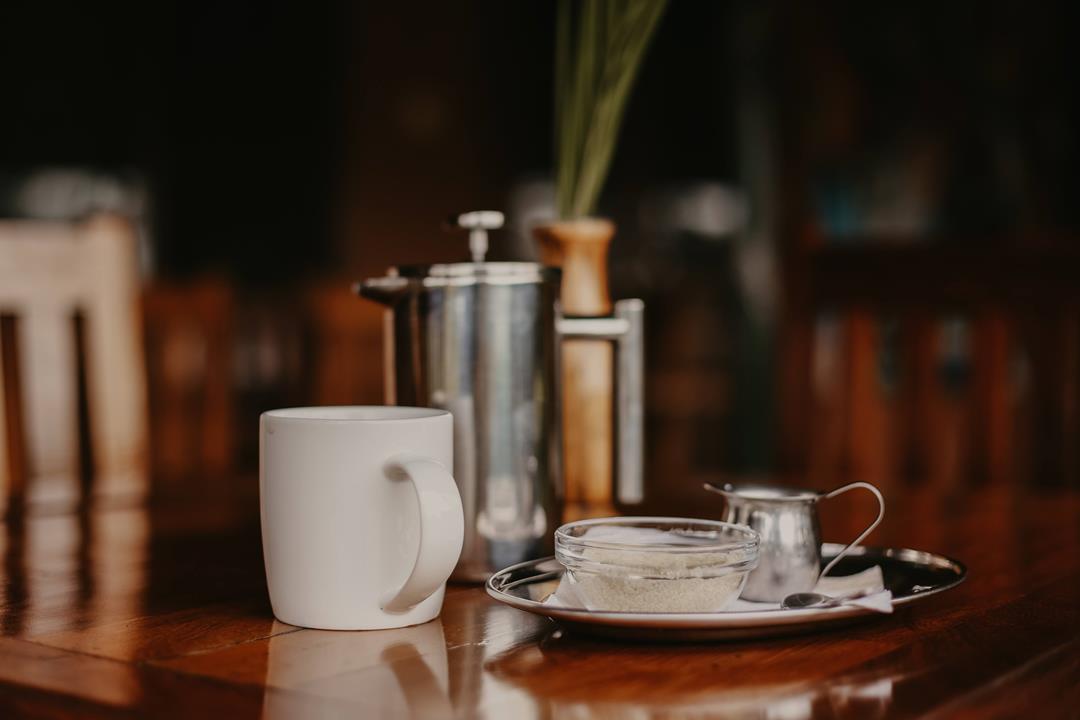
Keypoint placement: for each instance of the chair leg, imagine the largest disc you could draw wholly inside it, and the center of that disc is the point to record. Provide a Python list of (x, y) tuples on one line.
[(85, 467), (15, 431)]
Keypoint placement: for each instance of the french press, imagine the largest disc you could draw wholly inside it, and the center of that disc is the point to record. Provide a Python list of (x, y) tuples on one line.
[(480, 339)]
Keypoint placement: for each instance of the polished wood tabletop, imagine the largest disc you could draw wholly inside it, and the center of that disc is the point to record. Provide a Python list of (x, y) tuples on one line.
[(158, 608)]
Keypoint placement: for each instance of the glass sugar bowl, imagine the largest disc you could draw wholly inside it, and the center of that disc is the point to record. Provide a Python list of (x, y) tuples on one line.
[(656, 564)]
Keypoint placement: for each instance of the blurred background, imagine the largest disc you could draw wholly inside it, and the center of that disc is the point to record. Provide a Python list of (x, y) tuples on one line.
[(855, 226)]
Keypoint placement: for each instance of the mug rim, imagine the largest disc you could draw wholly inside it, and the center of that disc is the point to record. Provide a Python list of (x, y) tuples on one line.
[(354, 413)]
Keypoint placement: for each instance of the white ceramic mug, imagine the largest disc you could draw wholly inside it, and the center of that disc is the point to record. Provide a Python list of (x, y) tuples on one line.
[(361, 520)]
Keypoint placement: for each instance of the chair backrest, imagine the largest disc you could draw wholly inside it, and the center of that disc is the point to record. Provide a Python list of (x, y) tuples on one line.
[(953, 369), (347, 362), (218, 356), (188, 330), (74, 388)]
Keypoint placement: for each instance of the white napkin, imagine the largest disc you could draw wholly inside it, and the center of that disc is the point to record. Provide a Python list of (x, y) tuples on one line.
[(871, 579)]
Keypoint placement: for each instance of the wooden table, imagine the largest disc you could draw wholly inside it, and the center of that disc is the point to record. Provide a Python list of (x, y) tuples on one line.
[(160, 610)]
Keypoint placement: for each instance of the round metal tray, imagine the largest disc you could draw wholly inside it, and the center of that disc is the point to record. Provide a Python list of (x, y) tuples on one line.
[(910, 574)]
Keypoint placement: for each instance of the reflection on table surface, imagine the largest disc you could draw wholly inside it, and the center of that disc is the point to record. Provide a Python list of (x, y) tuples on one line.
[(163, 608)]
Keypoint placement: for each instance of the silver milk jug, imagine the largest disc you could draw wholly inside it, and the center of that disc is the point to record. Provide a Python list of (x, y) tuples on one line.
[(481, 340), (786, 518)]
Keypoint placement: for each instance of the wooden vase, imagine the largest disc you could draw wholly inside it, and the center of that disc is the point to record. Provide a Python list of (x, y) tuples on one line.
[(580, 248)]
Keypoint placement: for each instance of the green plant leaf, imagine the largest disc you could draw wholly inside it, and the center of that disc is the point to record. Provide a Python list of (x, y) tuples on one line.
[(598, 53)]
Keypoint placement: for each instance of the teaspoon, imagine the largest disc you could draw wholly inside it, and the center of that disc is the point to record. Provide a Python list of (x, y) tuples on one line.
[(803, 601)]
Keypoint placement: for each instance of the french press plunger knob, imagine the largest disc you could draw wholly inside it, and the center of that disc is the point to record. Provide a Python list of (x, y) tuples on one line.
[(478, 222)]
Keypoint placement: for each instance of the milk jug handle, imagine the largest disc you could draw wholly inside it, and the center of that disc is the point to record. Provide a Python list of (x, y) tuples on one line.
[(862, 536), (626, 328)]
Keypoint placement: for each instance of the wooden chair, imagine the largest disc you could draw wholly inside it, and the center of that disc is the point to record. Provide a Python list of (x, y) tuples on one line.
[(189, 330), (929, 365), (347, 357), (73, 412), (218, 356)]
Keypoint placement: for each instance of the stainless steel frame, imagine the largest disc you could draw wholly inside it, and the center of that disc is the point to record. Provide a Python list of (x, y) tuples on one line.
[(627, 330)]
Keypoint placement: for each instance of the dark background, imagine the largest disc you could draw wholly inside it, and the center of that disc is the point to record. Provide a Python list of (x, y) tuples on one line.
[(272, 134), (277, 136), (284, 142)]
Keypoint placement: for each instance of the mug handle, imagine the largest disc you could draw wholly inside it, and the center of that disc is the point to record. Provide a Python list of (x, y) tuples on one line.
[(862, 536), (442, 528)]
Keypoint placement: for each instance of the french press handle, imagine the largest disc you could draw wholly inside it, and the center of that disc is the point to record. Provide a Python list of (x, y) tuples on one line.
[(626, 329)]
